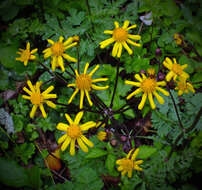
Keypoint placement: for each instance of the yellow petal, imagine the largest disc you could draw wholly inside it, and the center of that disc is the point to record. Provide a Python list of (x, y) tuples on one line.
[(65, 143), (129, 154), (135, 154), (151, 101), (42, 110), (169, 76), (62, 138), (162, 91), (82, 145), (137, 91), (130, 173), (134, 37), (61, 64), (71, 45), (116, 24), (137, 76), (53, 63), (88, 98), (61, 38), (88, 125), (99, 80), (161, 83), (28, 46), (81, 99), (86, 141), (72, 147), (119, 50), (34, 51), (47, 54), (68, 41), (48, 96), (125, 24), (69, 58), (94, 70), (49, 89), (50, 41), (105, 43), (108, 32), (26, 97), (159, 98), (62, 126), (30, 86), (131, 27), (73, 95), (33, 111), (138, 84), (99, 87), (28, 91), (133, 43), (115, 49), (86, 68), (141, 104), (69, 119), (78, 117)]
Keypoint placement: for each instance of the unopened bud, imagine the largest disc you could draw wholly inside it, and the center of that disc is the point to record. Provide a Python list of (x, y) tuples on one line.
[(113, 142), (158, 52)]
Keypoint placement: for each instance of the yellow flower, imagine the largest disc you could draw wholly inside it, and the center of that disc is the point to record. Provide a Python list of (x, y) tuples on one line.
[(184, 87), (120, 36), (128, 164), (74, 132), (101, 135), (84, 83), (37, 98), (178, 38), (149, 87), (176, 70), (151, 72), (57, 52), (26, 54)]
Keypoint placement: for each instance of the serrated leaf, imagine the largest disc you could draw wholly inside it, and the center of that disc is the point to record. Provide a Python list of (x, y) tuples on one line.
[(96, 153), (145, 151)]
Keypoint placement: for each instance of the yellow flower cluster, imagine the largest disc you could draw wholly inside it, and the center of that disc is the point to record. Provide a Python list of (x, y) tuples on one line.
[(129, 163)]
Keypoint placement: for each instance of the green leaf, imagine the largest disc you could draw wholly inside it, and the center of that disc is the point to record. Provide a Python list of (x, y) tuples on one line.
[(110, 163), (145, 151), (96, 153), (8, 55), (12, 174), (34, 177), (25, 151)]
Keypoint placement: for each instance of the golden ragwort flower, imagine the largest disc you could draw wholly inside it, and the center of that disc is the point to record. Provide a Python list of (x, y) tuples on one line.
[(149, 86), (178, 38), (74, 132), (176, 70), (26, 54), (37, 98), (128, 164), (184, 87), (120, 36), (101, 135), (57, 52), (84, 83)]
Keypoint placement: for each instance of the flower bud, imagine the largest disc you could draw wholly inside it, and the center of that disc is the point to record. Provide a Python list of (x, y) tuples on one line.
[(158, 52)]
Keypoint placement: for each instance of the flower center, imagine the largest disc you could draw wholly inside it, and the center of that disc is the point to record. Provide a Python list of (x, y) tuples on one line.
[(25, 55), (182, 86), (36, 98), (84, 82), (177, 69), (148, 85), (74, 131), (57, 48), (120, 34), (127, 164)]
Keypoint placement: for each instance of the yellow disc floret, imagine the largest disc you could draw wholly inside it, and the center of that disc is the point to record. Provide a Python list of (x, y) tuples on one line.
[(84, 82), (120, 34), (58, 49), (36, 98), (74, 131), (148, 85)]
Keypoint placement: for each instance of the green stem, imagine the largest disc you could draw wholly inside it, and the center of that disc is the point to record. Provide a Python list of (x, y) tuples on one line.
[(177, 113), (115, 86), (90, 15)]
